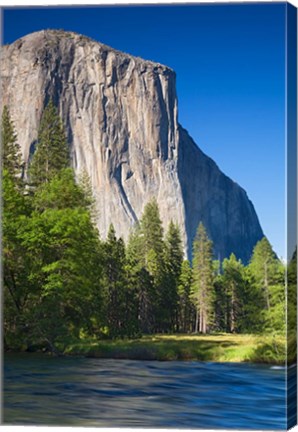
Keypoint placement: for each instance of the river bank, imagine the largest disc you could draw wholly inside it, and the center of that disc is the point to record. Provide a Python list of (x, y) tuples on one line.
[(220, 348), (212, 348)]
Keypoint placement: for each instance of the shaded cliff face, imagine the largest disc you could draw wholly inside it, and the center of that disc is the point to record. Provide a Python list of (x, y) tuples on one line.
[(213, 198), (120, 114)]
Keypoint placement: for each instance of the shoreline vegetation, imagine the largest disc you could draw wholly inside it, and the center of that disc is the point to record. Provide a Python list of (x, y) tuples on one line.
[(69, 292), (221, 347)]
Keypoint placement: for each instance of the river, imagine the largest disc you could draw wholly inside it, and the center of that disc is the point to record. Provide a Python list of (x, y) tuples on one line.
[(70, 391)]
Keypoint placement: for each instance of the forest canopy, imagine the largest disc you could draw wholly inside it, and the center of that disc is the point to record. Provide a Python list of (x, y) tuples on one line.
[(63, 282)]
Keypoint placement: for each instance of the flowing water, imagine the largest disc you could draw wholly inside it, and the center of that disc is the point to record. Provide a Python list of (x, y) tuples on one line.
[(45, 390)]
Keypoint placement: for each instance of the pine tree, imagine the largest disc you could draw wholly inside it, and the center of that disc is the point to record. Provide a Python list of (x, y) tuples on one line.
[(151, 229), (233, 283), (186, 310), (115, 284), (10, 149), (252, 314), (174, 250), (140, 281), (86, 186), (151, 233), (202, 286), (219, 304), (61, 192), (262, 266), (173, 262), (51, 154), (269, 279)]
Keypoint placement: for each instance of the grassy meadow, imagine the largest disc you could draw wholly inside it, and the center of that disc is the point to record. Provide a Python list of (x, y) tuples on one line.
[(214, 348)]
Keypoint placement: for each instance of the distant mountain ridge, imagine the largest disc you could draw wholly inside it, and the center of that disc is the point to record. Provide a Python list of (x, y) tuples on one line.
[(121, 119)]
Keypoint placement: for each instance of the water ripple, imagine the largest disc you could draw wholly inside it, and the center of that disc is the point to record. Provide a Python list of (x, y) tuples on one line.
[(110, 393)]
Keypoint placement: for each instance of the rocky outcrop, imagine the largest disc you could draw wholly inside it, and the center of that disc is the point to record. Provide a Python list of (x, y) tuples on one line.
[(120, 114), (213, 198)]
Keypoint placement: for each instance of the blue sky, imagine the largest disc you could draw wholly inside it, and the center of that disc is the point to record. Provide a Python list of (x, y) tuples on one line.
[(230, 65)]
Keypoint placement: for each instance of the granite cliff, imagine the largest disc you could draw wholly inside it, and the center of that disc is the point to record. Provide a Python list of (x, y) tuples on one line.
[(121, 118)]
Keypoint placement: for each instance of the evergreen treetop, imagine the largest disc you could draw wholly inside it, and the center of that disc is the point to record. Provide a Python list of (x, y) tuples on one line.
[(151, 229), (51, 153), (10, 148)]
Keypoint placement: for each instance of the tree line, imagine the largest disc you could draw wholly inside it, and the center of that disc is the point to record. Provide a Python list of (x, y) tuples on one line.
[(62, 281)]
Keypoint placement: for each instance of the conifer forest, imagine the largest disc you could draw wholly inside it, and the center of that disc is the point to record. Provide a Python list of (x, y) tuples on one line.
[(63, 282)]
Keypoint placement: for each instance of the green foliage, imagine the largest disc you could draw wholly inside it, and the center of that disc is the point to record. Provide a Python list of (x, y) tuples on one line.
[(61, 192), (116, 294), (186, 309), (202, 286), (86, 187), (268, 278), (292, 309), (270, 349), (11, 154), (174, 251), (65, 266), (151, 230), (154, 267), (63, 285), (173, 257), (252, 314), (233, 282), (51, 154), (152, 250), (263, 268), (16, 282), (217, 348), (140, 282), (52, 252)]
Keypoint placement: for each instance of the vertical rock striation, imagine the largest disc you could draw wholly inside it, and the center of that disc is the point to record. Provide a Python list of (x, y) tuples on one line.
[(120, 114)]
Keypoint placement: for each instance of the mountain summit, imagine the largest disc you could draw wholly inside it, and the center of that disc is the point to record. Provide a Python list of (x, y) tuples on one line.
[(121, 119)]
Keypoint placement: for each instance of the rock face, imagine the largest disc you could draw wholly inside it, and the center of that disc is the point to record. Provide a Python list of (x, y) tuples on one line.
[(120, 114)]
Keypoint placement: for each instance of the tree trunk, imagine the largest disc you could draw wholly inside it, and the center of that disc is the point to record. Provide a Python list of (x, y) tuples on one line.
[(197, 320), (233, 317), (203, 322)]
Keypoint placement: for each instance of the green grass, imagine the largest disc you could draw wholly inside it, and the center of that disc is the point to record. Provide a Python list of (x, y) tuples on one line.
[(217, 348)]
